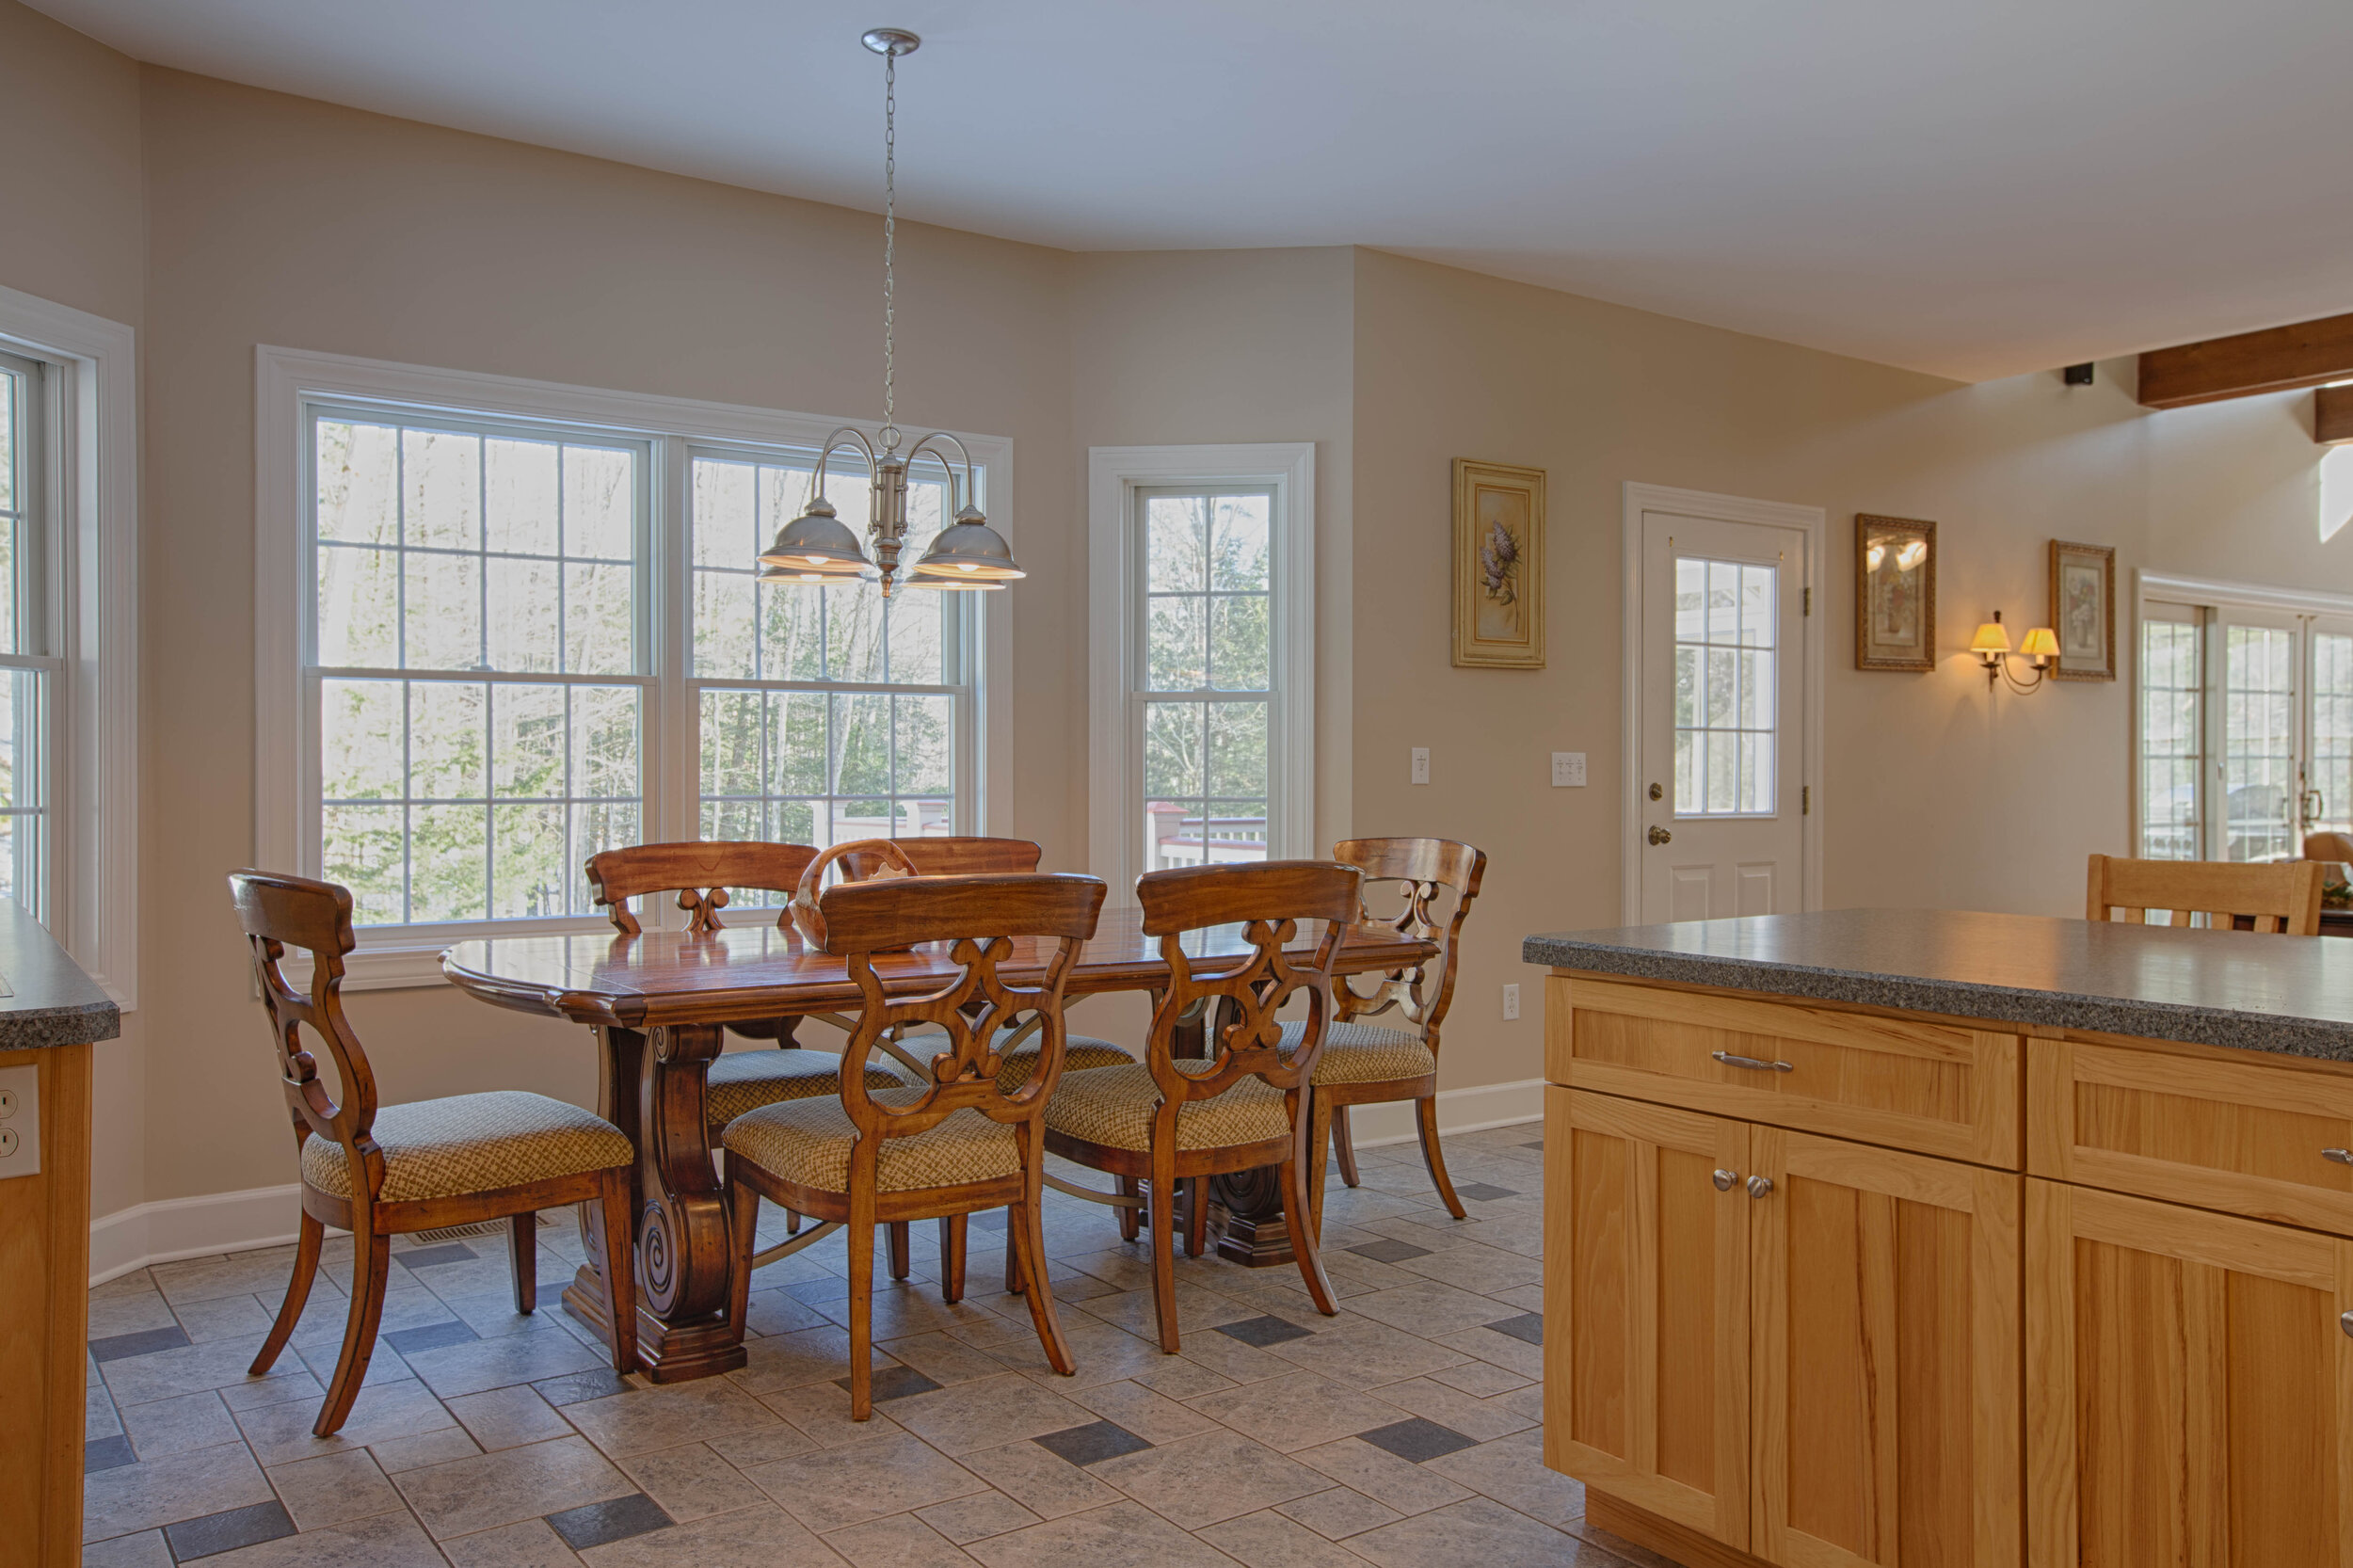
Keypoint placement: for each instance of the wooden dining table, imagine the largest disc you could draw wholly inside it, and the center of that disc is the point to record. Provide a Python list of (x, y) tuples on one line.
[(659, 1004)]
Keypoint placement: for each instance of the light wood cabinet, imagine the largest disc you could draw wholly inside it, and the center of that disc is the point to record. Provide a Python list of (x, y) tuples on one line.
[(1802, 1348), (2190, 1387)]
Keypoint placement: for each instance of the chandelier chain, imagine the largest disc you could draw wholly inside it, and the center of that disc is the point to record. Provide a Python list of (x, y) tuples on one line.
[(890, 226)]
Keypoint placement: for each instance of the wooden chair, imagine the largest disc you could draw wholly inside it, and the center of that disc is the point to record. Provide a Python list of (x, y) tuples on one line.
[(384, 1172), (1168, 1120), (2280, 895), (954, 1144), (1366, 1063)]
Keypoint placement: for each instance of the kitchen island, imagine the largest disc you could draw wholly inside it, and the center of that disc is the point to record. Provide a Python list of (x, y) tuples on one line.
[(1909, 1237)]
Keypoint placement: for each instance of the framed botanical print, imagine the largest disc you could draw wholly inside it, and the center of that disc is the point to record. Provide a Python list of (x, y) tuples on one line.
[(2082, 609), (1895, 574), (1499, 566)]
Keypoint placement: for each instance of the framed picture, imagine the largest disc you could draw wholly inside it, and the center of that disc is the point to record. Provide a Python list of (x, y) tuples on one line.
[(1894, 575), (2082, 609), (1499, 566)]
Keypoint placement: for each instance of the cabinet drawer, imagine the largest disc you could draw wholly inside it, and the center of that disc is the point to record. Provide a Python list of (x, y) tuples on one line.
[(1932, 1088), (2262, 1138)]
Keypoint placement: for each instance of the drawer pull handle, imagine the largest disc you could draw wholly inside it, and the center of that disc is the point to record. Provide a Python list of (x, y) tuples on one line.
[(1760, 1186), (2343, 1157), (1751, 1063), (2345, 1322), (1725, 1179)]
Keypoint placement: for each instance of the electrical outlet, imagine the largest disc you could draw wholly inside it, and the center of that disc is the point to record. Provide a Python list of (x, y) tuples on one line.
[(7, 1103), (1511, 1001), (20, 1128), (1568, 770), (1421, 764)]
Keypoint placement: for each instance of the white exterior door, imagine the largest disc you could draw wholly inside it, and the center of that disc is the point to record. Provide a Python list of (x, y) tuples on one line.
[(1722, 718)]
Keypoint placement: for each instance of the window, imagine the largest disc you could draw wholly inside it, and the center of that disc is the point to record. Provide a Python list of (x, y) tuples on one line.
[(1725, 683), (2246, 721), (531, 629), (27, 668), (1203, 669)]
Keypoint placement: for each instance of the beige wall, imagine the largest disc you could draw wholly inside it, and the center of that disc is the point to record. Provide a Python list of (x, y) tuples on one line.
[(1934, 792)]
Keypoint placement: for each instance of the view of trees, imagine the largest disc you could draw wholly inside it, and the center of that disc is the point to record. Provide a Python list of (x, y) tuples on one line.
[(24, 816), (1207, 619), (1725, 686)]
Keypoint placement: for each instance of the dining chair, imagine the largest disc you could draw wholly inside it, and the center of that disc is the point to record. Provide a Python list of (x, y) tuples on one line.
[(953, 1146), (380, 1170), (1168, 1119), (2277, 896), (1367, 1064)]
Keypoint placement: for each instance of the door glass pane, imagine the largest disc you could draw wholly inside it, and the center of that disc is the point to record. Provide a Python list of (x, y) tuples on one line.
[(1726, 660), (2172, 749), (2331, 776), (2258, 743)]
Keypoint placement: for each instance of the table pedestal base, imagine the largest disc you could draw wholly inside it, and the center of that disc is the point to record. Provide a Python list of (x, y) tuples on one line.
[(1246, 1212)]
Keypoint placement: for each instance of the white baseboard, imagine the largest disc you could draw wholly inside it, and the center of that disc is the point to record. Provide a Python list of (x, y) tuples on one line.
[(175, 1228)]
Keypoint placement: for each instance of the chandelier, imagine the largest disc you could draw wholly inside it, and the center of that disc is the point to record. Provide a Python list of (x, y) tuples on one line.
[(817, 546)]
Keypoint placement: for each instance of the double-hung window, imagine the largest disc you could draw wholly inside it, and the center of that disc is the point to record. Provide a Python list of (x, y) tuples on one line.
[(531, 629), (29, 669)]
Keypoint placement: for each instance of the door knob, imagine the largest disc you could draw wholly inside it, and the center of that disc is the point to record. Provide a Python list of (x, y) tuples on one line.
[(1657, 792), (1760, 1186), (1725, 1179), (1660, 836)]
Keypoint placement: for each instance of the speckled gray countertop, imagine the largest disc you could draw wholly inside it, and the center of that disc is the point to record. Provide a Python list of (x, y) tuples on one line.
[(53, 1002), (2235, 988)]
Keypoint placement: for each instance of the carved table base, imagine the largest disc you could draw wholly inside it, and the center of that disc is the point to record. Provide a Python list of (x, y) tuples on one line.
[(1246, 1212)]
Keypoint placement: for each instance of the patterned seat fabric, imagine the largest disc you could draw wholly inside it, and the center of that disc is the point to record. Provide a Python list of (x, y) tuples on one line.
[(1081, 1053), (446, 1148), (1113, 1106), (1360, 1053), (807, 1142), (743, 1081)]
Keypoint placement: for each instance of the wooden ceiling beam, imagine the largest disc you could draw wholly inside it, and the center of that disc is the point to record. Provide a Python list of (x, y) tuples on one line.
[(2278, 359), (2332, 415)]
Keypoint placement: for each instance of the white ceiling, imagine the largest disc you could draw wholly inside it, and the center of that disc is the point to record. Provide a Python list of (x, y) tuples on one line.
[(1974, 189)]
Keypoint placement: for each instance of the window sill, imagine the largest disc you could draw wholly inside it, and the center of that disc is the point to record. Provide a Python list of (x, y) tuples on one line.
[(408, 958)]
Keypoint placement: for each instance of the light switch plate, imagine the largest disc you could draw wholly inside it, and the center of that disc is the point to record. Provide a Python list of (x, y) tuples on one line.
[(1568, 770), (20, 1122), (1421, 764)]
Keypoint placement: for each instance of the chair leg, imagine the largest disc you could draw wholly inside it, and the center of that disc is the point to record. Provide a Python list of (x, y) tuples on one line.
[(1197, 1215), (620, 1270), (1164, 1243), (306, 1269), (952, 1239), (1426, 1119), (901, 1258), (1128, 1218), (860, 1235), (1302, 1233), (792, 1223), (1025, 1238), (372, 1256), (1318, 1152), (1013, 1258), (1344, 1144), (522, 1255)]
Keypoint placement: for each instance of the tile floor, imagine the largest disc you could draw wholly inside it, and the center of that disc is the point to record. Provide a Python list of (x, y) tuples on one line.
[(1402, 1432)]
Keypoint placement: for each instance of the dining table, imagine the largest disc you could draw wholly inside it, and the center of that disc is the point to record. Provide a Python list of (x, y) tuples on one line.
[(658, 1004)]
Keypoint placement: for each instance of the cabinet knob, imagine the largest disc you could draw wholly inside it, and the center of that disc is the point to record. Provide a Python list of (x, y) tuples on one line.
[(2343, 1157), (1760, 1186), (1725, 1179)]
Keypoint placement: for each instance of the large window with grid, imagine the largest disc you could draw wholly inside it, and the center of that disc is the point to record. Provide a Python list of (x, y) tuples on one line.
[(29, 670), (526, 639)]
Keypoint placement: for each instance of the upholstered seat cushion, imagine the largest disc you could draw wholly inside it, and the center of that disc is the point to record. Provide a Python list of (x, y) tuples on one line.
[(1113, 1106), (1081, 1053), (1361, 1053), (446, 1148), (743, 1081), (807, 1142)]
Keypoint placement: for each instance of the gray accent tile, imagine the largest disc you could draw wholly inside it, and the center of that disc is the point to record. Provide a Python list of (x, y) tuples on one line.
[(215, 1533), (108, 1453), (1389, 1250), (143, 1342), (1484, 1191), (893, 1382), (1418, 1439), (1263, 1332), (429, 1258), (428, 1336), (615, 1519), (1090, 1444), (1527, 1326)]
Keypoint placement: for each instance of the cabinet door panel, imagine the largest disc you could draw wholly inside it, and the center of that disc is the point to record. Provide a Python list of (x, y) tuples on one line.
[(2189, 1399), (1885, 1290), (1646, 1332)]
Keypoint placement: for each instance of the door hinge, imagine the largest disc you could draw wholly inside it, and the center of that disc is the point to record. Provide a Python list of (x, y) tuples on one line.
[(1805, 598), (1805, 800)]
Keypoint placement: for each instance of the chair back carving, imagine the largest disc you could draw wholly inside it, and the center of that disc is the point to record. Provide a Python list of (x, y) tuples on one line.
[(972, 856), (278, 912), (2280, 896), (985, 921), (1421, 868), (700, 872), (1244, 992)]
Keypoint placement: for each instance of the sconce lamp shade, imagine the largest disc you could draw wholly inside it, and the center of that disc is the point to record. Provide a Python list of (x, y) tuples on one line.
[(2041, 643), (816, 543), (1992, 637)]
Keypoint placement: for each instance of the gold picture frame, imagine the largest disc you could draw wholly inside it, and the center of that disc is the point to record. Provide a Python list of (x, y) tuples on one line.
[(2082, 609), (1894, 601), (1499, 566)]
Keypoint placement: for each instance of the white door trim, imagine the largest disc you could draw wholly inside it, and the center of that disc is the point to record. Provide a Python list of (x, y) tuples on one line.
[(1813, 524)]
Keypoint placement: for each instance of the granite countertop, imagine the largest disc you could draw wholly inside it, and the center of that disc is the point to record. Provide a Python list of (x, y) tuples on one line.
[(2235, 988), (51, 1002)]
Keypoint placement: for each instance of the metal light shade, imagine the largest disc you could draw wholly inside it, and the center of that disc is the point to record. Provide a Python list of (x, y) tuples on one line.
[(968, 554), (816, 543)]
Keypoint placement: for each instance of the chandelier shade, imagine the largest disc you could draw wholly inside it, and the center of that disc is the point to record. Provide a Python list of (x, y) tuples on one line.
[(816, 544)]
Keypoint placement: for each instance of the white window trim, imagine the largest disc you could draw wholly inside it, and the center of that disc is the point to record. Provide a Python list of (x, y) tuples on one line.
[(1115, 473), (95, 909), (283, 377)]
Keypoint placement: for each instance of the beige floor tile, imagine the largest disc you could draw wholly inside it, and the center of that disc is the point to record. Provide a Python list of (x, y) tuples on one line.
[(1428, 1308), (1045, 1483), (1477, 1267), (649, 1418), (333, 1490), (128, 1312), (835, 1488), (1512, 1470), (820, 1411), (692, 1481), (247, 1274), (762, 1537), (1123, 1535), (1479, 1532), (1268, 1540), (190, 1369), (1501, 1350), (509, 1418), (1407, 1487), (1481, 1420), (281, 1432), (1208, 1477), (469, 1495), (793, 1360), (984, 1513), (1340, 1512), (781, 1441), (395, 1455), (1098, 1352), (165, 1490), (528, 1545), (384, 1541), (146, 1549), (902, 1541), (453, 1372), (176, 1426), (1155, 1418), (1366, 1356), (943, 1358), (227, 1317), (1297, 1412), (1180, 1377), (1481, 1380), (986, 1413)]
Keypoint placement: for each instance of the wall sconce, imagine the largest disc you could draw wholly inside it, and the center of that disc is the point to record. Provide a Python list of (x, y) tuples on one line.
[(1992, 647)]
